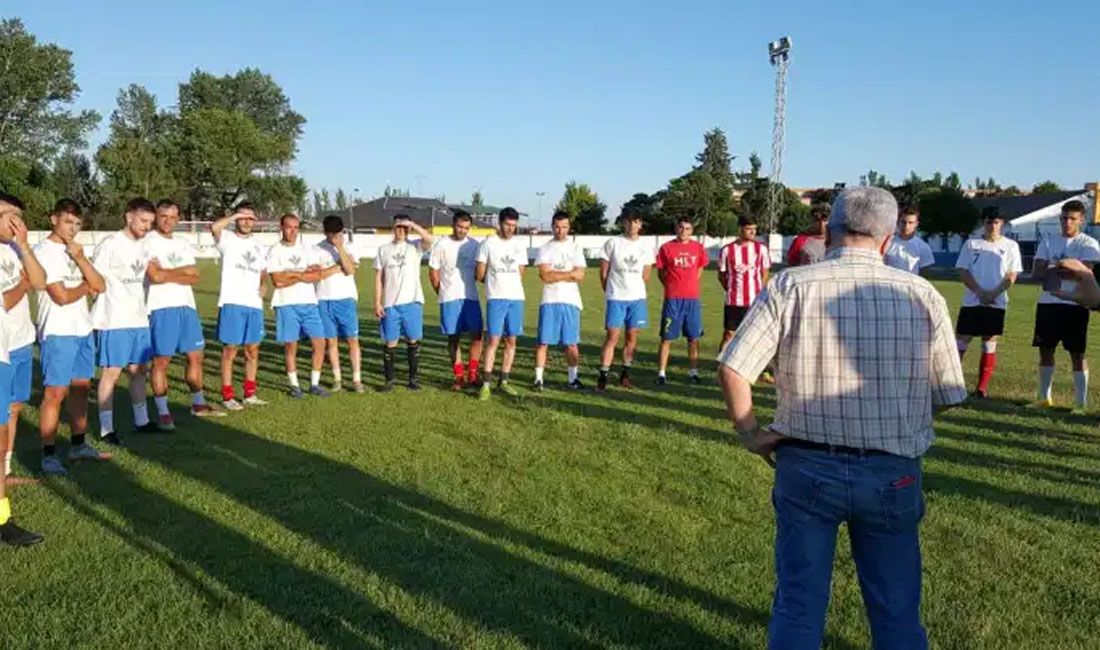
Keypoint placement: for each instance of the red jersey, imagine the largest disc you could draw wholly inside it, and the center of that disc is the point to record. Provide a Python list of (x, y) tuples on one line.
[(681, 262), (743, 264), (806, 249)]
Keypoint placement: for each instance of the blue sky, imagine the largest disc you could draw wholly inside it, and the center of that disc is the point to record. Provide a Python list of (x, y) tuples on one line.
[(517, 98)]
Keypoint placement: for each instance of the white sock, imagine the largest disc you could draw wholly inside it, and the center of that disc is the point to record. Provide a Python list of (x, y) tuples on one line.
[(1081, 387), (574, 373), (106, 422), (357, 376), (141, 413), (1046, 381), (197, 399), (7, 463), (538, 374), (292, 377), (337, 377), (314, 377), (162, 404), (660, 373), (694, 372)]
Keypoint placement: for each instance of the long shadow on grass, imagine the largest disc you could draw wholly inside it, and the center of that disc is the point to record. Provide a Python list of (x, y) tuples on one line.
[(426, 547)]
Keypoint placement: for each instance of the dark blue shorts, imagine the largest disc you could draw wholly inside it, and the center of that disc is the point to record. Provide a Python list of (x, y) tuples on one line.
[(681, 315)]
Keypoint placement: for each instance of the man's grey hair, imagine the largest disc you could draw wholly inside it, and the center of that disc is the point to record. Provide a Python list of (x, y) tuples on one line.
[(868, 211)]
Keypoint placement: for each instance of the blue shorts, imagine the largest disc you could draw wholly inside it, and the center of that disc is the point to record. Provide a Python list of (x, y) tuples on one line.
[(5, 392), (505, 317), (681, 314), (66, 359), (295, 322), (175, 330), (460, 316), (405, 320), (22, 366), (240, 325), (559, 324), (631, 313), (339, 318), (122, 347)]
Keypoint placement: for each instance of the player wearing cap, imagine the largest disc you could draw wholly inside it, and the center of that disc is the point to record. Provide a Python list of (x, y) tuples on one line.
[(680, 265), (501, 259), (743, 273), (907, 251), (240, 301), (1058, 320), (561, 266), (452, 271), (399, 298), (809, 247), (625, 265), (987, 267), (338, 301)]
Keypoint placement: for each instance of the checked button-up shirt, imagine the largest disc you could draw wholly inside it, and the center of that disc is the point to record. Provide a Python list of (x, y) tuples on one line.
[(864, 353)]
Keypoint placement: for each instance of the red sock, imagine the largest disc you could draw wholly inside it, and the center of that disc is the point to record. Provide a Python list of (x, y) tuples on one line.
[(227, 392), (473, 369), (249, 388), (985, 370), (459, 370)]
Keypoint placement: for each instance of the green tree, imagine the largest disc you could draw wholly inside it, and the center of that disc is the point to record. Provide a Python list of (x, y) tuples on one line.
[(1011, 190), (649, 206), (1046, 187), (318, 204), (873, 179), (584, 207), (715, 158), (30, 182), (341, 201), (74, 178), (953, 181), (947, 211), (476, 199)]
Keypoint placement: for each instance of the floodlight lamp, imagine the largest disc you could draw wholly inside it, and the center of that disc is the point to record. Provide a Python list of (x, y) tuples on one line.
[(780, 49)]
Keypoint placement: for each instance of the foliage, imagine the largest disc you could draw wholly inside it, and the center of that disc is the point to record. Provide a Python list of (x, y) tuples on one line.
[(947, 211), (584, 207), (650, 206), (476, 200), (32, 184), (1046, 187)]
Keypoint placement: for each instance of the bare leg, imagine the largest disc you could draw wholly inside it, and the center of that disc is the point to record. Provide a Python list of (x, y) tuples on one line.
[(317, 354), (49, 413), (693, 353), (356, 355), (251, 361), (607, 354), (727, 336), (476, 345), (290, 356), (629, 347), (194, 372), (490, 355), (454, 348), (509, 354), (332, 346), (159, 375), (229, 355), (663, 351)]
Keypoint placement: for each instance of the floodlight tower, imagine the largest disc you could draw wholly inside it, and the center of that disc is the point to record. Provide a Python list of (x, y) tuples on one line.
[(779, 54)]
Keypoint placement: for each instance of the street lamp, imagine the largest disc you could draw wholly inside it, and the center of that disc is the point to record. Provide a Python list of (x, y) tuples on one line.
[(540, 195), (351, 214)]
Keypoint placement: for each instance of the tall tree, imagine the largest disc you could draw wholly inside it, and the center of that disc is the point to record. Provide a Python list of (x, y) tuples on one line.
[(715, 158), (953, 181), (654, 220), (873, 179), (584, 206), (74, 178), (318, 204), (341, 199), (947, 211), (1046, 187), (476, 199)]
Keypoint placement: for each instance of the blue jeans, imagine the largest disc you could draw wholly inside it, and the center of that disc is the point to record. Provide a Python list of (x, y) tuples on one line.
[(880, 499)]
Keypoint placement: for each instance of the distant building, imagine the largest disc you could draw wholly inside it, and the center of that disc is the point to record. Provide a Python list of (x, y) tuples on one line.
[(1033, 216), (376, 216)]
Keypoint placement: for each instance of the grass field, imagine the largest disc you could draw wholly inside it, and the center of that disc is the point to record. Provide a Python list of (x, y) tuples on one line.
[(558, 519)]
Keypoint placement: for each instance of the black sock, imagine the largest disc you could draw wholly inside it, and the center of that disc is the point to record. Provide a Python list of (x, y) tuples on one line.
[(503, 377), (77, 439), (50, 450), (388, 355), (603, 374), (413, 352), (625, 371)]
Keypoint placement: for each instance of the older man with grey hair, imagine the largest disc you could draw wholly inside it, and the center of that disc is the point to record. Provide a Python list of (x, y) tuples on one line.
[(865, 354)]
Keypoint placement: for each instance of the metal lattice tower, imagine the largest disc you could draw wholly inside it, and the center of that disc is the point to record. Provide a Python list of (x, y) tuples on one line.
[(779, 54)]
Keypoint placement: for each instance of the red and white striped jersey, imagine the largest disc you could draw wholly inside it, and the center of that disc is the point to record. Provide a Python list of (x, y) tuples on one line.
[(743, 264)]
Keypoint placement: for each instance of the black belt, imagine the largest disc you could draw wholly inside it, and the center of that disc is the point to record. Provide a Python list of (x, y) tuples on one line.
[(832, 449)]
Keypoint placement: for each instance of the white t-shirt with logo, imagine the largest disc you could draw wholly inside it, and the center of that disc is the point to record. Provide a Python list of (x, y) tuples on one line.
[(989, 262), (122, 262), (910, 255), (626, 258), (561, 256), (294, 257), (503, 259), (18, 325), (73, 319), (170, 253), (243, 261), (1079, 247), (456, 262), (337, 286), (400, 261)]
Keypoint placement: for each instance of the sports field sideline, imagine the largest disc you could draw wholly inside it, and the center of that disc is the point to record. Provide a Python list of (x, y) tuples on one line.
[(558, 519)]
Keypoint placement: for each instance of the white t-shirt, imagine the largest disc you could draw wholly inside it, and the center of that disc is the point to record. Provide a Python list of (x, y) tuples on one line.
[(503, 259), (122, 262), (170, 253), (1079, 247), (243, 261), (456, 262), (20, 329), (295, 257), (989, 262), (73, 319), (626, 260), (400, 261), (337, 286), (910, 255), (561, 256)]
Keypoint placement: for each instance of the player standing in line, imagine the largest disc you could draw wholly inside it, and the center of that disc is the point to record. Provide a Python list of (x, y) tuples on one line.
[(66, 348), (743, 273), (501, 259), (680, 265), (452, 270), (338, 302), (399, 298), (294, 271), (173, 319), (625, 265), (907, 251), (987, 267), (12, 278), (240, 301), (809, 247), (1058, 320), (561, 265), (120, 319), (20, 272)]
